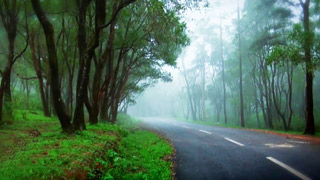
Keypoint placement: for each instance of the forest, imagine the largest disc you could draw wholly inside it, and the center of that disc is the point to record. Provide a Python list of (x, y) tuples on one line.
[(71, 58), (73, 64), (255, 66), (73, 72)]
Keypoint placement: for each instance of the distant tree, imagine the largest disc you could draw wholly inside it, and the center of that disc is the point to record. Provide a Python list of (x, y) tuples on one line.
[(240, 70), (9, 13)]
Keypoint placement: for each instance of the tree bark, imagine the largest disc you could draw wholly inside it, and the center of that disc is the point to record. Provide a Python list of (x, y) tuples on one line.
[(53, 67), (37, 68), (5, 94), (78, 118), (9, 16), (276, 104), (310, 127), (256, 104)]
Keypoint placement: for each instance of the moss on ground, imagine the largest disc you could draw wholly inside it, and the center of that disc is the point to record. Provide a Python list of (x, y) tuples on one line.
[(33, 147)]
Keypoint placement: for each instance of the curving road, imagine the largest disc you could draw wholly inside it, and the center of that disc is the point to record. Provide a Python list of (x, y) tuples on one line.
[(207, 152)]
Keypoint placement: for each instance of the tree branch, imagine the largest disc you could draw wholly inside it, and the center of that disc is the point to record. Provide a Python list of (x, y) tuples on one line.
[(27, 39), (121, 6), (26, 78)]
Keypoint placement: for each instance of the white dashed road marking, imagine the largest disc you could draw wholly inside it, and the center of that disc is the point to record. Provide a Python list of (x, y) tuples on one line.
[(233, 141), (186, 127), (205, 131), (290, 169)]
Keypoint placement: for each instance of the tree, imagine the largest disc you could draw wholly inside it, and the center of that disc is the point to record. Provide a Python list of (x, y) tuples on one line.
[(9, 11), (38, 69), (240, 70), (48, 30), (310, 128)]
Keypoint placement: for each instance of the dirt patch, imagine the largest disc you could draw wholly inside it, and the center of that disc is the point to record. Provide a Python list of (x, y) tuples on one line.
[(290, 136)]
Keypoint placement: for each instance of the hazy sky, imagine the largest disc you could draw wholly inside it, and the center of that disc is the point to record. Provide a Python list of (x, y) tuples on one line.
[(162, 92), (195, 17)]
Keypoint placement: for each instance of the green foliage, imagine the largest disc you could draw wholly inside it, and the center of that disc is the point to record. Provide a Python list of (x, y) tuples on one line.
[(281, 54), (104, 151), (53, 154), (297, 125), (142, 156), (127, 122)]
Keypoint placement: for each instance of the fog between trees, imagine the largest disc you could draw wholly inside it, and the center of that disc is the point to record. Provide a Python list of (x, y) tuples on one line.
[(272, 45)]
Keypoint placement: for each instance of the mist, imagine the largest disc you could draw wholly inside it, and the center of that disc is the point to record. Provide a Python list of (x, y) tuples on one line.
[(205, 79)]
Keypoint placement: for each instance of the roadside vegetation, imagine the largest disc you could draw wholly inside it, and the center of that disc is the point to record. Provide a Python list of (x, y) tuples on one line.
[(33, 147), (294, 131)]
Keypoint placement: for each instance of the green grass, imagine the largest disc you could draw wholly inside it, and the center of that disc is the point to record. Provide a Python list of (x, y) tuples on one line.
[(211, 123), (143, 156), (103, 151)]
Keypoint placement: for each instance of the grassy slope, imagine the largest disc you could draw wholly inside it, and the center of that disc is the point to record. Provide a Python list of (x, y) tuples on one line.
[(238, 127), (103, 151)]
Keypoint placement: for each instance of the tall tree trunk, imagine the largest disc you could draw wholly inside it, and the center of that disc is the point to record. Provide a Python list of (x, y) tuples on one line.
[(93, 118), (117, 96), (104, 109), (78, 118), (290, 76), (9, 17), (223, 77), (224, 95), (258, 84), (96, 89), (192, 105), (5, 95), (37, 68), (256, 105), (240, 70), (203, 90), (70, 94), (87, 55), (268, 115), (268, 95), (53, 66), (310, 127), (276, 104)]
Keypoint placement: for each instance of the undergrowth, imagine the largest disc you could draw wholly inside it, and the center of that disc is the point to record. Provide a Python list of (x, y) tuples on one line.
[(33, 147)]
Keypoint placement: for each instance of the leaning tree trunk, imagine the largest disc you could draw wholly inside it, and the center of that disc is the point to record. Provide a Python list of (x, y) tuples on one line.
[(53, 67)]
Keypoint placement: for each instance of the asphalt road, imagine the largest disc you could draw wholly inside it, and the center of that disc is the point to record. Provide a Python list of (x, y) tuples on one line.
[(206, 152)]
